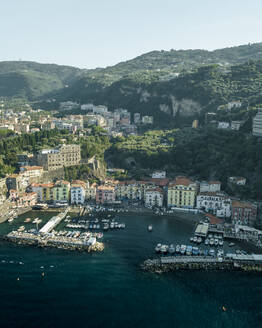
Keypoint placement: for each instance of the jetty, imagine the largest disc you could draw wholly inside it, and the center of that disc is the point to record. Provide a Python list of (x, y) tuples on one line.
[(54, 221), (231, 262)]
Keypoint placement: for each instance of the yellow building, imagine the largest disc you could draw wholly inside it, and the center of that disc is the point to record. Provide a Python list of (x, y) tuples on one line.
[(46, 192), (91, 191), (182, 193)]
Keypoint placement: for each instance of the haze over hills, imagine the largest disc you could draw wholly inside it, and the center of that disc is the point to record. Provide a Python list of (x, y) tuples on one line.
[(163, 83)]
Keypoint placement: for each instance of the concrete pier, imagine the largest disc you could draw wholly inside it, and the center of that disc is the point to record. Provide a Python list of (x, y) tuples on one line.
[(54, 221)]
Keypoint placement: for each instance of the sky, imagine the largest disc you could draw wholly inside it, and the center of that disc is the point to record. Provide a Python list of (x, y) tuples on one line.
[(99, 33)]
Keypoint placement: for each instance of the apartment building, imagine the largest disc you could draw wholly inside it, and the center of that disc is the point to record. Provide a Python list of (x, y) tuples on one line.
[(63, 155), (105, 194), (154, 197), (216, 202), (182, 193)]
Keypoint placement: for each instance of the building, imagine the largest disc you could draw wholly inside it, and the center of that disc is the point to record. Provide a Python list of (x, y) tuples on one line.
[(60, 192), (195, 124), (154, 197), (31, 171), (17, 182), (147, 119), (239, 181), (137, 118), (182, 193), (78, 192), (257, 124), (128, 190), (234, 104), (63, 155), (91, 191), (21, 199), (217, 203), (210, 186), (43, 191), (223, 125), (236, 125), (243, 213), (159, 175), (105, 195)]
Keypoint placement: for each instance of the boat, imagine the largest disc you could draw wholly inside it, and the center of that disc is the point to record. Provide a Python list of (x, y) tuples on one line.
[(150, 228), (106, 226), (177, 248), (195, 251), (212, 252), (158, 248), (207, 242), (199, 240), (164, 249), (21, 228), (211, 242), (231, 244), (171, 249), (195, 239), (183, 249), (192, 239), (10, 220), (189, 250), (216, 242), (27, 220), (220, 242)]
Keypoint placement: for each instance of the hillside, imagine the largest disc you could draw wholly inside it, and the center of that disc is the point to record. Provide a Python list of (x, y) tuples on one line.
[(32, 80)]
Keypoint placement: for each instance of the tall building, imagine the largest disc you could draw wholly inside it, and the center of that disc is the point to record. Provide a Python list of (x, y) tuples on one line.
[(257, 124), (182, 193), (63, 155)]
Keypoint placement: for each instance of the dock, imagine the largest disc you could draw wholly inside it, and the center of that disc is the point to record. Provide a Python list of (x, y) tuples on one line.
[(54, 221), (232, 262)]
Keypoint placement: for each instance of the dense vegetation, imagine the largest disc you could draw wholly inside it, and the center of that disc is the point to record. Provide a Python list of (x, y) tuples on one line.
[(202, 154)]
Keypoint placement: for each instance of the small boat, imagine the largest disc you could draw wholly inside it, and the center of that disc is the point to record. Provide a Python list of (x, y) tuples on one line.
[(231, 244), (10, 220), (27, 220), (183, 249), (177, 248), (195, 251), (211, 242), (207, 242), (192, 239), (216, 242), (171, 249), (195, 239), (212, 252), (150, 228), (220, 242), (199, 240), (189, 250), (158, 248), (164, 249)]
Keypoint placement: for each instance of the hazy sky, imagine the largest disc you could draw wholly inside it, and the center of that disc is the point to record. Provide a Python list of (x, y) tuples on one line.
[(99, 33)]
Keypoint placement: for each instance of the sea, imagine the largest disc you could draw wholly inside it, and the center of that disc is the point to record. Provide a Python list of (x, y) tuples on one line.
[(49, 287)]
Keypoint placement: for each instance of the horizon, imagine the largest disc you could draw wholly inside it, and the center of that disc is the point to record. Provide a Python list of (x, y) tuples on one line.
[(101, 34)]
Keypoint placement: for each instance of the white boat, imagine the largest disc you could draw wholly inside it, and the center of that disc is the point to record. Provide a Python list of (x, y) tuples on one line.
[(216, 242), (192, 239), (211, 242), (171, 249), (177, 248), (183, 249), (195, 239), (158, 248), (150, 228), (220, 242), (207, 242), (10, 220), (231, 244), (164, 249), (199, 240)]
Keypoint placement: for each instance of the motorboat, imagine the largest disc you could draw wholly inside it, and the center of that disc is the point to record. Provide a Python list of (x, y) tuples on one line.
[(150, 228), (171, 249), (177, 248), (189, 250), (207, 242), (195, 251), (192, 239), (220, 242), (216, 242), (195, 239), (212, 252), (211, 242), (183, 249), (158, 248), (164, 249), (10, 220), (199, 240), (231, 244)]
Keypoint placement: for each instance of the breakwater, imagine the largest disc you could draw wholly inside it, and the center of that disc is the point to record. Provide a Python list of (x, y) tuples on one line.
[(252, 263), (69, 243)]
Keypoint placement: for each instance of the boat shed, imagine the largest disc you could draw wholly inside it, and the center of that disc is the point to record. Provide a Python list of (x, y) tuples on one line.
[(201, 230)]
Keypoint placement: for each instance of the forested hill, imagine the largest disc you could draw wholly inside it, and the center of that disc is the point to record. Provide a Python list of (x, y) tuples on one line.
[(33, 80)]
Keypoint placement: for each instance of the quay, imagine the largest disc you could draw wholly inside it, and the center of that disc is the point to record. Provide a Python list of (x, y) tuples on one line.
[(54, 221), (49, 240), (232, 262)]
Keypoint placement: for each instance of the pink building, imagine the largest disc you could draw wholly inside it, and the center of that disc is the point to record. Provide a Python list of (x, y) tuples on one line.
[(19, 199), (243, 213), (105, 195)]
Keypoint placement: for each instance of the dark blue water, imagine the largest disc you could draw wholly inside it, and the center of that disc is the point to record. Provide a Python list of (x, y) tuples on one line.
[(109, 290)]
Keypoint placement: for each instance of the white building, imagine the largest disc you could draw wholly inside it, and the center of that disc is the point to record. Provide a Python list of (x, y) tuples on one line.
[(217, 202), (234, 104), (147, 119), (210, 186), (239, 181), (78, 192), (236, 125), (257, 124), (31, 171), (159, 175), (223, 125), (154, 197)]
